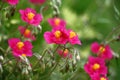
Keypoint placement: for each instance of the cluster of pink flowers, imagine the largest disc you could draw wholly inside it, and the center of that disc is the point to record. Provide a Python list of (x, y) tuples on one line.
[(12, 2), (59, 33), (30, 16), (15, 2), (96, 66), (24, 48), (37, 1)]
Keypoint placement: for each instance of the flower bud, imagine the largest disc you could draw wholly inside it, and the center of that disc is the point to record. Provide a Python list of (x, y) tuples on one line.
[(39, 28), (24, 71), (1, 58), (78, 57)]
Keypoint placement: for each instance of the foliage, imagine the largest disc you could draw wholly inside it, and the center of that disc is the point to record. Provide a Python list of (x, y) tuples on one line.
[(92, 20)]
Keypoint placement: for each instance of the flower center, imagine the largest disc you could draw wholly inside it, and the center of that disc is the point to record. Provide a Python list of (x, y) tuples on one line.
[(57, 22), (24, 55), (96, 66), (72, 34), (57, 34), (20, 45), (66, 51), (30, 15), (102, 49), (27, 32), (102, 78)]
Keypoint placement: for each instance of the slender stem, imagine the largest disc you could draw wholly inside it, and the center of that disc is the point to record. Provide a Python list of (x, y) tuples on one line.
[(47, 62), (56, 49), (53, 68), (64, 64), (57, 62), (44, 52), (7, 61), (7, 51), (2, 5), (7, 77), (111, 33), (63, 50), (1, 49)]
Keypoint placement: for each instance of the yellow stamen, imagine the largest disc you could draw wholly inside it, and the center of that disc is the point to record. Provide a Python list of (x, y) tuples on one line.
[(57, 22), (102, 78), (30, 15), (101, 49), (72, 34), (96, 66), (24, 55), (57, 34), (27, 32), (20, 45)]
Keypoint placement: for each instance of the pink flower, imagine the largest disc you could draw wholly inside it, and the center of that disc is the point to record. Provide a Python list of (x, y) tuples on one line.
[(95, 65), (30, 16), (58, 36), (56, 22), (73, 38), (64, 53), (20, 48), (98, 77), (37, 1), (12, 2), (26, 33), (103, 51)]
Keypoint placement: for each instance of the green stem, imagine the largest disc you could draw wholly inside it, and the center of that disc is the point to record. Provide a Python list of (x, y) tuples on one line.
[(57, 61), (55, 51), (2, 6), (7, 61), (6, 51), (2, 50), (44, 52), (53, 68), (7, 77), (112, 40), (111, 33), (64, 64)]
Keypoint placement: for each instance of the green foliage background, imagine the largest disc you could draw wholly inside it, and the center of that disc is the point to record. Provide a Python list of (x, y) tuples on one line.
[(93, 20)]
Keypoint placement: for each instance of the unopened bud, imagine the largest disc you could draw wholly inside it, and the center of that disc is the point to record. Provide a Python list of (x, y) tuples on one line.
[(10, 62), (1, 58), (59, 2), (78, 57), (118, 38), (29, 68), (74, 61), (24, 71), (39, 28)]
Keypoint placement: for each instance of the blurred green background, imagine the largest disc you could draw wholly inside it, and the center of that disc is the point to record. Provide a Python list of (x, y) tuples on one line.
[(93, 20)]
